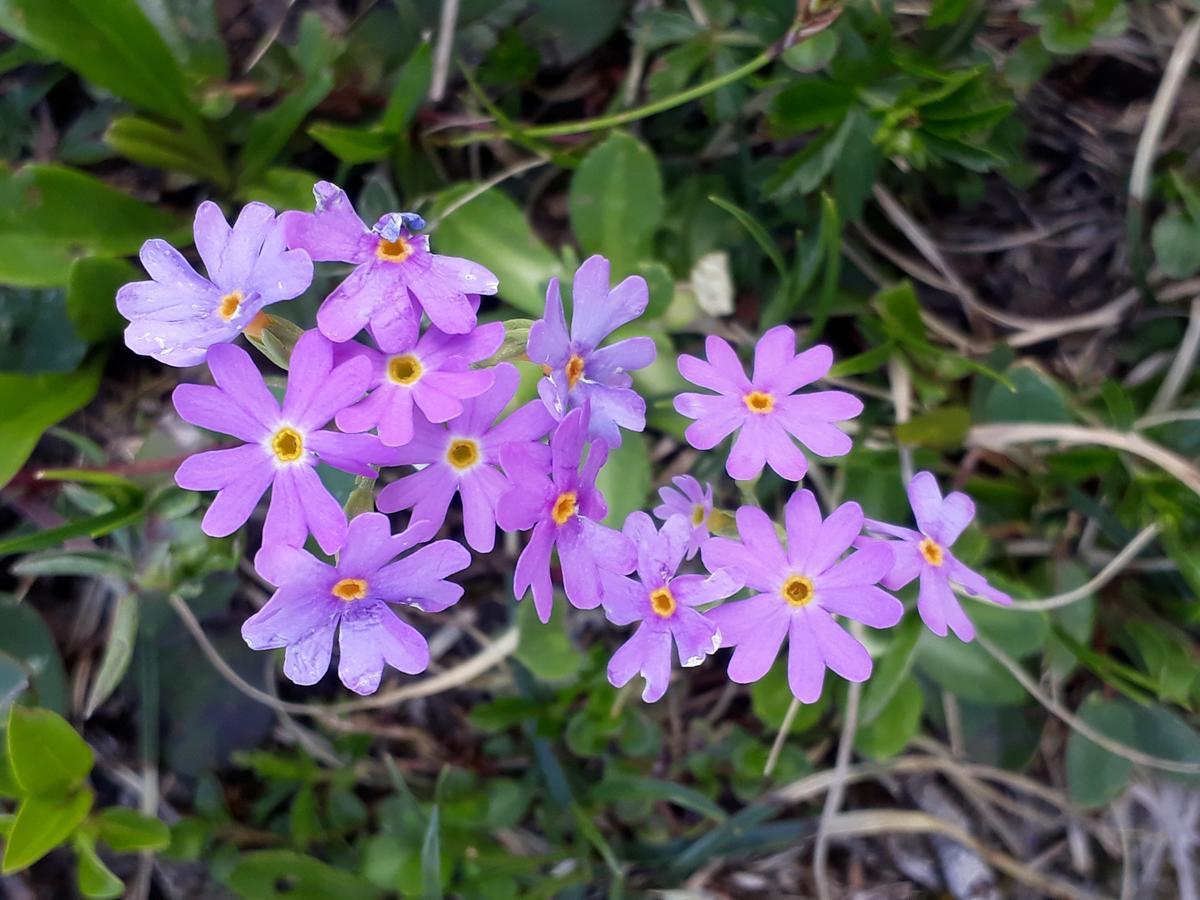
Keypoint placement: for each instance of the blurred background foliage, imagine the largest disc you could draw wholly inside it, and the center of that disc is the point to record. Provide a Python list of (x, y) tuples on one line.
[(991, 208)]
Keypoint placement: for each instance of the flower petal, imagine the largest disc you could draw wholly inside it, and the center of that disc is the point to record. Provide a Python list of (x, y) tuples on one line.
[(840, 650)]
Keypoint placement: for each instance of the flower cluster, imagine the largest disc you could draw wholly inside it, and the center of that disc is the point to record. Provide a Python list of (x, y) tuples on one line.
[(400, 372)]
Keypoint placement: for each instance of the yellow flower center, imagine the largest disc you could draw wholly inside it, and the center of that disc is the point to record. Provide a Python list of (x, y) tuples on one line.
[(574, 371), (932, 551), (698, 514), (394, 251), (350, 589), (564, 507), (797, 590), (759, 403), (662, 601), (287, 445), (463, 453), (229, 305), (406, 369)]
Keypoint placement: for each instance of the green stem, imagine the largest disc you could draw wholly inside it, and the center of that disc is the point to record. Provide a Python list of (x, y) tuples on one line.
[(642, 112)]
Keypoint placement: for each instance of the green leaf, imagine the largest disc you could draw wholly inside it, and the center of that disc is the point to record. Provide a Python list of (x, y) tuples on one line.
[(809, 103), (891, 670), (896, 724), (830, 244), (616, 201), (118, 652), (110, 43), (269, 132), (941, 428), (1176, 242), (967, 671), (42, 823), (431, 859), (92, 285), (615, 788), (492, 230), (128, 831), (51, 215), (625, 479), (1035, 397), (160, 147), (1095, 776), (410, 90), (26, 640), (546, 650), (353, 145), (284, 875), (756, 231), (93, 877), (46, 753)]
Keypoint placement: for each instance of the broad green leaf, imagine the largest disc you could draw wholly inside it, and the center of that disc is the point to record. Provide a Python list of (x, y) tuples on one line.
[(410, 90), (546, 650), (941, 428), (160, 147), (280, 187), (353, 145), (616, 201), (813, 53), (13, 682), (967, 671), (809, 103), (42, 823), (1094, 775), (47, 755), (52, 215), (284, 875), (895, 725), (1176, 242), (891, 670), (492, 231), (127, 831), (27, 640), (625, 479), (93, 877), (112, 44), (92, 285), (1035, 398)]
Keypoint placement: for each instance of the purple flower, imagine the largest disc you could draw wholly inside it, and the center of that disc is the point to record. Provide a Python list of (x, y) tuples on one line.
[(282, 446), (799, 593), (435, 374), (926, 554), (578, 369), (178, 315), (664, 603), (691, 501), (766, 407), (463, 457), (562, 505), (396, 277), (313, 600)]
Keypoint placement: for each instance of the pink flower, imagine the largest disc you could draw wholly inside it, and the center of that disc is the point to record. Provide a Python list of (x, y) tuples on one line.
[(766, 408), (925, 554), (799, 593)]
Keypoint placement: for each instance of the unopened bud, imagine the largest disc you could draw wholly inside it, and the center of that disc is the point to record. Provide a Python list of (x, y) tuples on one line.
[(274, 337), (516, 337)]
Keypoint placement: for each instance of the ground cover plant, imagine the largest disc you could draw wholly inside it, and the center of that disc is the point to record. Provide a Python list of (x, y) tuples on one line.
[(546, 449)]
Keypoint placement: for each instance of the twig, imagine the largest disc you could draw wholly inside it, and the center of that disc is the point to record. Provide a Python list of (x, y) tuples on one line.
[(441, 53), (867, 822), (998, 437), (1110, 571), (1077, 724), (1160, 109), (833, 800), (1183, 364), (781, 738)]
